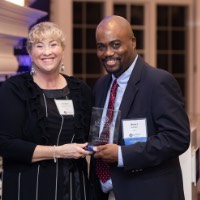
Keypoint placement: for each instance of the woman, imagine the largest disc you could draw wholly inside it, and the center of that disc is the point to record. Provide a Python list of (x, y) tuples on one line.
[(44, 125)]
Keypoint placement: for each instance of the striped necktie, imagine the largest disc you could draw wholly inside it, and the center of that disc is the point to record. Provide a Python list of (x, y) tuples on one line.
[(102, 168)]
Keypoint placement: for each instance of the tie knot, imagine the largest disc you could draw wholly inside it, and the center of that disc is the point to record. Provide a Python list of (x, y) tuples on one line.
[(114, 85)]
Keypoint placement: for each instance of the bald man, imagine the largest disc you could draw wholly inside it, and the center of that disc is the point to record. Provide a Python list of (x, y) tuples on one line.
[(154, 127)]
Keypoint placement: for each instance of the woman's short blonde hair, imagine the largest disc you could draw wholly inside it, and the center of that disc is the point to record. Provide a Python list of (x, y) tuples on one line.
[(42, 31)]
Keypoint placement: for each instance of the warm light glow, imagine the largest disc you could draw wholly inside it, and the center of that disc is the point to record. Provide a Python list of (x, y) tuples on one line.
[(18, 2)]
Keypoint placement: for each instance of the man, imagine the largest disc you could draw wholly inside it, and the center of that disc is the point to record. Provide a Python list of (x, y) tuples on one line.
[(154, 128)]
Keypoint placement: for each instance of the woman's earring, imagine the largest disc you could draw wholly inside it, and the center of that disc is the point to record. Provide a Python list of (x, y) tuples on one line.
[(32, 71), (62, 67)]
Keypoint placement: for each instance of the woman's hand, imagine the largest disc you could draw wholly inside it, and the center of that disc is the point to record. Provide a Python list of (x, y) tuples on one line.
[(72, 150)]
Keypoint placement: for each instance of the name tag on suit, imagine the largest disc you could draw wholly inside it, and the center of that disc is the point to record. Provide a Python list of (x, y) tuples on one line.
[(134, 130)]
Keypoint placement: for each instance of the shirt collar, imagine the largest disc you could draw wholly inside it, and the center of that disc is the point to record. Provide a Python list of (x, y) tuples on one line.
[(123, 79)]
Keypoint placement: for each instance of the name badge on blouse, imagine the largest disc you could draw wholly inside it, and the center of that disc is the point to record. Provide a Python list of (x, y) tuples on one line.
[(134, 130), (65, 107)]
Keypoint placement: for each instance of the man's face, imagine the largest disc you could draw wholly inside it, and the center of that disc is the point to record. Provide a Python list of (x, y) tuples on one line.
[(115, 49)]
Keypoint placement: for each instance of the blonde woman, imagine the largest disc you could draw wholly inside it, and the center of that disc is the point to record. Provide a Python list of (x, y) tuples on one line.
[(44, 125)]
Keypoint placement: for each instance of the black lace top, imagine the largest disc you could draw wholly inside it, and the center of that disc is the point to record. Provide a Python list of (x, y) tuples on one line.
[(28, 118), (20, 96)]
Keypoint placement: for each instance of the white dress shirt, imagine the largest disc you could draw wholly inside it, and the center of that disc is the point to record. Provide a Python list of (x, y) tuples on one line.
[(122, 82)]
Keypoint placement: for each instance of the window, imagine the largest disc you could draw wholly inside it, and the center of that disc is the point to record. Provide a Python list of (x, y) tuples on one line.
[(171, 42), (86, 16), (168, 45)]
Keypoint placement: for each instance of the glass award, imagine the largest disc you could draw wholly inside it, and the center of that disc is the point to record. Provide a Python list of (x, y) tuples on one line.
[(104, 128)]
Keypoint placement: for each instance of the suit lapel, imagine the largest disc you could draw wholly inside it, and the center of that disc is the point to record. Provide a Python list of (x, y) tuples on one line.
[(132, 88), (102, 93)]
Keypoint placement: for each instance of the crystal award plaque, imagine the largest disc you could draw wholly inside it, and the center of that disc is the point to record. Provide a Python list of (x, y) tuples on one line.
[(102, 129)]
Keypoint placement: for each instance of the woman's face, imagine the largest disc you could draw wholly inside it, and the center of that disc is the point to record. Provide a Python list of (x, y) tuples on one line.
[(47, 56)]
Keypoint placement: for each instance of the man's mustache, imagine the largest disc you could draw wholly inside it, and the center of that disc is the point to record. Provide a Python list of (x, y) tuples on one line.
[(110, 58)]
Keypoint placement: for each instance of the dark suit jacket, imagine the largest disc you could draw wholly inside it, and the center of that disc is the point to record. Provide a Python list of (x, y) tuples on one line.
[(151, 169)]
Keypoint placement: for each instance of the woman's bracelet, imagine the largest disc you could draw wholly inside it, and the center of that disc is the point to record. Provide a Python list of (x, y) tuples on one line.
[(54, 153)]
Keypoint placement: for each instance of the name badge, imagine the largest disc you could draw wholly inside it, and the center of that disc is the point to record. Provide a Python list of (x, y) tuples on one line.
[(65, 107), (134, 130)]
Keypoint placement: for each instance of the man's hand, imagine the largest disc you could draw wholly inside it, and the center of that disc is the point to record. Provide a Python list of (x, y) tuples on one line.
[(107, 152)]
